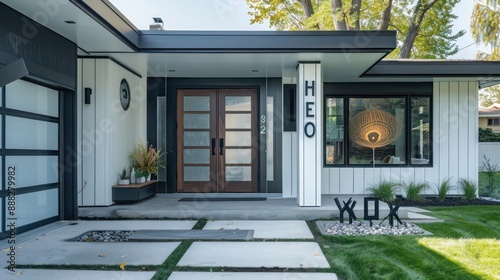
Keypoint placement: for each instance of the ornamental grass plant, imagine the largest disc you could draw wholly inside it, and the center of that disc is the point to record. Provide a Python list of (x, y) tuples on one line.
[(384, 190), (413, 190), (146, 158)]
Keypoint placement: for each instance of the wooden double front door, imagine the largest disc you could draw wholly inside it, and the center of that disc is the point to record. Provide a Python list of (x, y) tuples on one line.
[(217, 140)]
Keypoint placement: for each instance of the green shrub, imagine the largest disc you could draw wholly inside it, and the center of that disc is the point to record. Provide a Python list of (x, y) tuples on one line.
[(469, 188), (413, 190), (384, 190), (443, 189)]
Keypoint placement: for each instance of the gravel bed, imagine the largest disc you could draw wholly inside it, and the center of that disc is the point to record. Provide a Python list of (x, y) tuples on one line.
[(359, 228), (105, 236)]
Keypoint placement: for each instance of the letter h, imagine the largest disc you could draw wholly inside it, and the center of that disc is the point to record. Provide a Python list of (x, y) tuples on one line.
[(308, 87)]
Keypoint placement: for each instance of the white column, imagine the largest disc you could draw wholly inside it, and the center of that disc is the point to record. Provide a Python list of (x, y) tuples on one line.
[(309, 92)]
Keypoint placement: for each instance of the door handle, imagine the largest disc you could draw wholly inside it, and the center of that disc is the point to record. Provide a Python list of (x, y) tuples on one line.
[(213, 146), (221, 146)]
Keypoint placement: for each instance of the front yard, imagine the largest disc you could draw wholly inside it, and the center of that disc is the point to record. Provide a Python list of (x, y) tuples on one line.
[(466, 246)]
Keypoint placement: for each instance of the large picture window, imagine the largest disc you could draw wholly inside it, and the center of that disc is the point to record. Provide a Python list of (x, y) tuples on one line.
[(377, 131)]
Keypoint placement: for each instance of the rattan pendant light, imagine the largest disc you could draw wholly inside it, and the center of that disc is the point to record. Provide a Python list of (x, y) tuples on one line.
[(374, 129)]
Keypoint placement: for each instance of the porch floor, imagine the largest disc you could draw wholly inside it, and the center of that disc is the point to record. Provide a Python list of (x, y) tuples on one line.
[(274, 208)]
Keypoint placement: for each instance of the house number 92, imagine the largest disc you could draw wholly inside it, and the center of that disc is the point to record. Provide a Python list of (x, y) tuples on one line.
[(263, 124)]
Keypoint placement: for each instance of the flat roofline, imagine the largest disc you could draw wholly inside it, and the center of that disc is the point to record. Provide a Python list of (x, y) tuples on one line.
[(434, 68), (267, 41)]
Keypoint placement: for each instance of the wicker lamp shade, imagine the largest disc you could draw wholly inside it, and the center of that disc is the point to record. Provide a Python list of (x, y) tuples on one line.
[(374, 128)]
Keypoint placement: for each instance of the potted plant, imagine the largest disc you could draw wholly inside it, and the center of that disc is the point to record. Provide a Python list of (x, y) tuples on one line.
[(140, 177), (123, 178), (146, 159)]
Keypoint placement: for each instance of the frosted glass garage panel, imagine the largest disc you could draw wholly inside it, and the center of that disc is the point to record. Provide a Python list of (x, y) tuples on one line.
[(36, 206), (31, 134), (33, 170), (29, 97)]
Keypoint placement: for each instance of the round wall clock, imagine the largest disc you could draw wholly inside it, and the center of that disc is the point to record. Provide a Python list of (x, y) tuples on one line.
[(124, 94)]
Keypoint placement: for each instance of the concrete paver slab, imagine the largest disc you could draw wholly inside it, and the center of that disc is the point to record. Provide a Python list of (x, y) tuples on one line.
[(47, 274), (164, 235), (177, 275), (255, 254), (88, 253), (50, 246), (266, 229)]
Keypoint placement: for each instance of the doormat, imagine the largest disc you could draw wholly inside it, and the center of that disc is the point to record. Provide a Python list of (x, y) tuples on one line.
[(223, 199)]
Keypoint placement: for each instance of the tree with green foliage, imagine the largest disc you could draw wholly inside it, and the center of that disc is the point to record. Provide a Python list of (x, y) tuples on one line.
[(485, 29), (489, 96), (487, 135), (424, 26)]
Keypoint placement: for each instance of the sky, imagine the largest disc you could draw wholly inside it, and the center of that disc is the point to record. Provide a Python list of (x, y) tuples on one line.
[(233, 15)]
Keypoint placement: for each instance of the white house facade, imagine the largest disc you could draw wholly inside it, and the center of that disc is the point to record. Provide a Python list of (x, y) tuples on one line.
[(293, 114)]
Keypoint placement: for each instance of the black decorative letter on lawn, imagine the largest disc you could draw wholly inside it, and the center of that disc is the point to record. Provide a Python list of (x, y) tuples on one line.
[(347, 207), (393, 213), (366, 211)]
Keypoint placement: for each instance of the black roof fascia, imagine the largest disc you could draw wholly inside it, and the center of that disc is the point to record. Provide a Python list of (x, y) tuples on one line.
[(434, 68), (103, 12), (267, 41)]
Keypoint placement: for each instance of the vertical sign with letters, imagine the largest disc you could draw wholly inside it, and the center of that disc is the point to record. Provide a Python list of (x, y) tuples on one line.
[(309, 118)]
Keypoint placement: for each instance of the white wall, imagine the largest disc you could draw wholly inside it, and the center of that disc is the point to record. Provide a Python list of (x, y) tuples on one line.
[(455, 134), (106, 133), (492, 152)]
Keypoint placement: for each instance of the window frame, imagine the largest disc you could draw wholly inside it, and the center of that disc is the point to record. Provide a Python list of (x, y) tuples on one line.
[(493, 120), (408, 97)]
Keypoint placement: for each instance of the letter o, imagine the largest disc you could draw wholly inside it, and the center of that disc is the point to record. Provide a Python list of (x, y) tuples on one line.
[(306, 130)]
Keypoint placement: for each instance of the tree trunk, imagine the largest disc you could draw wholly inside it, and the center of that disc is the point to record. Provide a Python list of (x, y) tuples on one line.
[(385, 17), (308, 10), (340, 23), (355, 12), (416, 21), (308, 7)]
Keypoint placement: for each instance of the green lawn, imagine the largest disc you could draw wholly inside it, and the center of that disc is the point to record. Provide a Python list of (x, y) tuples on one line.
[(466, 246)]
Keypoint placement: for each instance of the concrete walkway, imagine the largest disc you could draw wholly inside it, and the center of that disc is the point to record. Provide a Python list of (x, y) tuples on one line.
[(51, 245), (274, 208)]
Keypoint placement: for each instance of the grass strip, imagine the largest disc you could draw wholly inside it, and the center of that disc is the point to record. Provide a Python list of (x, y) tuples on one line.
[(170, 263), (200, 224)]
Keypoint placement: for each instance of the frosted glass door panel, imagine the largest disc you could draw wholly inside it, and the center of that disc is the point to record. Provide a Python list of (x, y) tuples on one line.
[(31, 134), (238, 173), (197, 138), (33, 170), (238, 121), (238, 156), (36, 206), (196, 103), (197, 156), (237, 138), (238, 103), (32, 98), (196, 173), (201, 121)]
